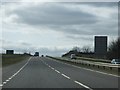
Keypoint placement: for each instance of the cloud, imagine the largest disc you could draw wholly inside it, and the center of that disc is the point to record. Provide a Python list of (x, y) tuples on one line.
[(71, 18), (51, 14), (82, 37), (57, 24), (22, 47)]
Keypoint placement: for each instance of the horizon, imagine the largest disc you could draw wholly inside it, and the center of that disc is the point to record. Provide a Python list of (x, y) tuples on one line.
[(54, 28)]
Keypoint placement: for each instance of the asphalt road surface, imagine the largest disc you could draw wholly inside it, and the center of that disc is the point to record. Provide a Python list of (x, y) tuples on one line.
[(43, 72)]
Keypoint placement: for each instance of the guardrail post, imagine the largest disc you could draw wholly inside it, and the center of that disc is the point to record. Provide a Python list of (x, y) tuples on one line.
[(118, 69), (110, 68), (103, 67)]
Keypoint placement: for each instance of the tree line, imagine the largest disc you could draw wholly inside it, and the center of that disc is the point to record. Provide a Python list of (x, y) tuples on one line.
[(113, 50)]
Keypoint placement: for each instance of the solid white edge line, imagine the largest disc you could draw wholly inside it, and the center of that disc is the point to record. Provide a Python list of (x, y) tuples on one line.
[(65, 76), (15, 73), (87, 69), (83, 85)]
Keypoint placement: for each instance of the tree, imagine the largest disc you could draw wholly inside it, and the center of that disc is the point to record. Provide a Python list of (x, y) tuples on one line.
[(76, 49), (114, 49), (86, 49)]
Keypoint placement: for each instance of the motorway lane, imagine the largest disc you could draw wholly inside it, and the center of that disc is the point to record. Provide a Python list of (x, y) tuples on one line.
[(89, 78), (36, 74)]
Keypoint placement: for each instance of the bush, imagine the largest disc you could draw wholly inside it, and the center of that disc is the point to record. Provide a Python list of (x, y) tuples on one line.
[(114, 49)]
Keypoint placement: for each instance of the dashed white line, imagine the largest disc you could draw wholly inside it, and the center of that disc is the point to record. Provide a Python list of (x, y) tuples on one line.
[(7, 80), (10, 78), (65, 76), (71, 79), (57, 71), (4, 83), (83, 85), (52, 68)]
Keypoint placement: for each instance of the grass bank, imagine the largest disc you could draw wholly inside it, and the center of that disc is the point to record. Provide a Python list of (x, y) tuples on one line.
[(13, 58), (100, 68), (94, 60)]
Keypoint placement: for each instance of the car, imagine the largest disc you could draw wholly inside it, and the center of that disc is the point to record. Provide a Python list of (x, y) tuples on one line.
[(36, 54), (73, 56), (115, 61), (42, 55)]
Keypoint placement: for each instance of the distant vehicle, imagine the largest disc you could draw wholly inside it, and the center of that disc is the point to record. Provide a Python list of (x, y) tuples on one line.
[(42, 55), (36, 54), (115, 61), (73, 56)]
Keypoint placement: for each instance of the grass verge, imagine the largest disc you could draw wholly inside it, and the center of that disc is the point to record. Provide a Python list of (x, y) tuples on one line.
[(94, 60), (13, 58), (101, 69)]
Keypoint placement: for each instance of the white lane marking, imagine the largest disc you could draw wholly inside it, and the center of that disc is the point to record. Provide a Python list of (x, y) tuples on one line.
[(10, 78), (65, 76), (57, 71), (1, 85), (4, 83), (7, 80), (72, 79), (15, 73), (52, 68), (83, 85), (86, 69)]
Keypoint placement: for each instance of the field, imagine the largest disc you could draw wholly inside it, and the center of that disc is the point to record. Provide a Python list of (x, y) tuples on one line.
[(13, 58)]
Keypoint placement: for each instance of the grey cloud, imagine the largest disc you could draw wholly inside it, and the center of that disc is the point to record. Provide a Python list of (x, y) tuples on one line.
[(25, 44), (59, 18), (32, 50), (88, 38), (22, 47), (102, 4), (108, 28), (55, 52), (52, 14), (56, 17)]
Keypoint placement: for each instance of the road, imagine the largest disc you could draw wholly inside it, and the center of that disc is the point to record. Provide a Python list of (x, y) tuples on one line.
[(43, 72)]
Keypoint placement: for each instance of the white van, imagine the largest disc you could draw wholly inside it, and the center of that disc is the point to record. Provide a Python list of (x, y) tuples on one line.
[(73, 56), (115, 61)]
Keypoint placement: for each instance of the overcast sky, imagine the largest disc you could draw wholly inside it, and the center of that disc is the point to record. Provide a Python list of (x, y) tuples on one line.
[(55, 28)]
